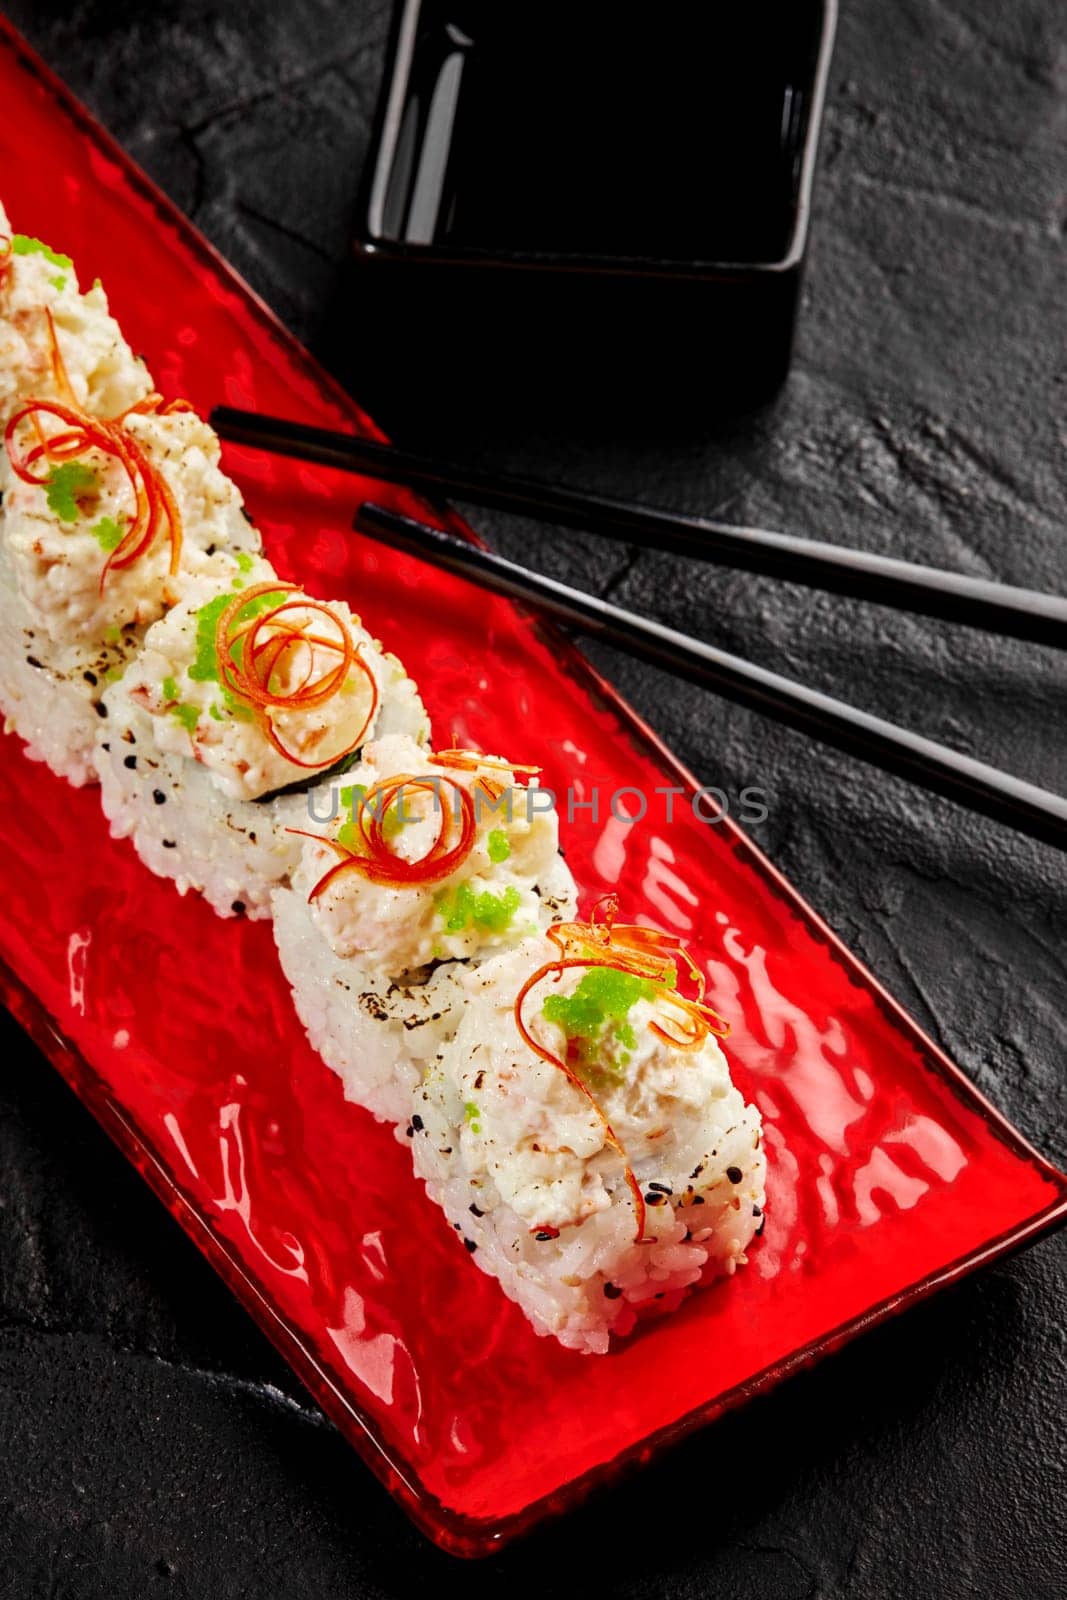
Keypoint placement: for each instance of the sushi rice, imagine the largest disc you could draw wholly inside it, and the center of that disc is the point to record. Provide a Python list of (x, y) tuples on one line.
[(50, 695)]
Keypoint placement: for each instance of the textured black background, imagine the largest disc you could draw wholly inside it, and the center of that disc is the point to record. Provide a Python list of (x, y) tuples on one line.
[(150, 1441)]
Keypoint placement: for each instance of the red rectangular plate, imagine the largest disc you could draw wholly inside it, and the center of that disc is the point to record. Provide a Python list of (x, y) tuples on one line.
[(889, 1174)]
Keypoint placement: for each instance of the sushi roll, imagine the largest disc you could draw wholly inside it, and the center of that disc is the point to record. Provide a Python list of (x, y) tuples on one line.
[(102, 523), (62, 345), (56, 342), (245, 701), (436, 862), (104, 520), (582, 1134), (109, 497)]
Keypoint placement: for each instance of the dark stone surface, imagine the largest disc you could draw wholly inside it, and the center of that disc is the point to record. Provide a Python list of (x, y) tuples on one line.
[(150, 1441)]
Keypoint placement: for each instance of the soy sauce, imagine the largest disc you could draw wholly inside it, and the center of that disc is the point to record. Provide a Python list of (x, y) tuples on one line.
[(573, 209), (666, 133)]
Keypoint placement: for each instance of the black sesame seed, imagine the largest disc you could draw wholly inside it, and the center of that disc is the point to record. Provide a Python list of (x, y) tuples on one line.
[(762, 1225), (698, 1199), (416, 1123), (655, 1199), (543, 1238), (169, 844), (238, 908), (697, 1171), (90, 677), (663, 1188), (130, 761), (101, 709), (409, 1132), (33, 662), (471, 1246), (475, 1212), (734, 1174), (757, 1211), (612, 1291), (160, 798)]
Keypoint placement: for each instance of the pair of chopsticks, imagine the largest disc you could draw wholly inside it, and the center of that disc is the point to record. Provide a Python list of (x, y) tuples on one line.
[(929, 591)]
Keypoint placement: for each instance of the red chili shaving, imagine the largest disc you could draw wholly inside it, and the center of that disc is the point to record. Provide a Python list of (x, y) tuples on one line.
[(646, 953), (155, 508), (456, 831), (254, 653), (55, 359), (153, 406), (470, 761), (461, 760), (378, 861), (56, 362)]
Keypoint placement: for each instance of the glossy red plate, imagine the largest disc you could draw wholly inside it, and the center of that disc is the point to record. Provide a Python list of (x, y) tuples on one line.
[(889, 1174)]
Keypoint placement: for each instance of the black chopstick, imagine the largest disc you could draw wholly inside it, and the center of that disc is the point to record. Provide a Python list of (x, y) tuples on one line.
[(929, 591), (1033, 811)]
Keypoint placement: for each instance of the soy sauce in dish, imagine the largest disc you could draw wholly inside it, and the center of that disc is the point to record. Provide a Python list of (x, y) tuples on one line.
[(576, 130)]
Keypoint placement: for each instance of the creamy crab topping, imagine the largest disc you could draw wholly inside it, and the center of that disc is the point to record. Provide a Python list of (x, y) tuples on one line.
[(105, 376), (534, 1132), (60, 535), (252, 748), (509, 881)]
